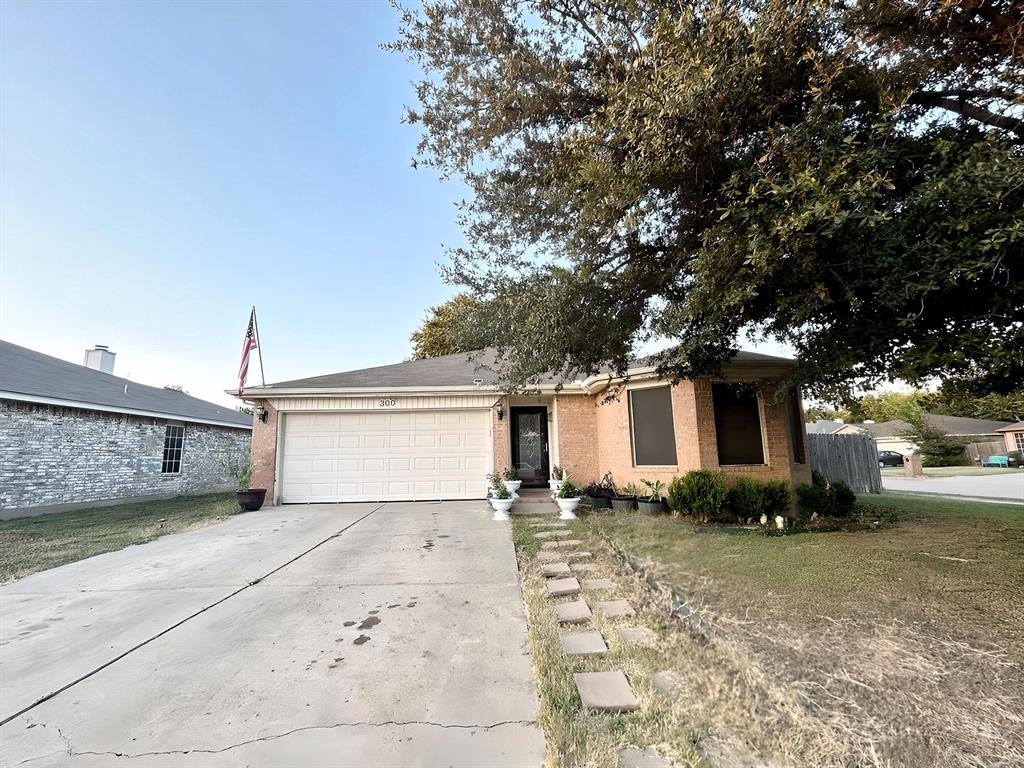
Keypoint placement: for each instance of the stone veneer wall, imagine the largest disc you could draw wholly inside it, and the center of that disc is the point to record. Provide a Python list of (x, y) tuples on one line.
[(51, 455)]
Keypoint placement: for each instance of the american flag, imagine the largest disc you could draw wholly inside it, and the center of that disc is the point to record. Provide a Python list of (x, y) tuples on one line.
[(248, 345)]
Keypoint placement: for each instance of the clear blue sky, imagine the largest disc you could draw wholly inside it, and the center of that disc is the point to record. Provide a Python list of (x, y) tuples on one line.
[(163, 166)]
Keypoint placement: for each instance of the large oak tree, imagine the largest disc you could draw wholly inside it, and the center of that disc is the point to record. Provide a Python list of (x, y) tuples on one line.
[(846, 177)]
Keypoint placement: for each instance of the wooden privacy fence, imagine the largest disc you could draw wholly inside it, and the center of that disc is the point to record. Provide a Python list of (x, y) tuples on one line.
[(979, 452), (850, 458)]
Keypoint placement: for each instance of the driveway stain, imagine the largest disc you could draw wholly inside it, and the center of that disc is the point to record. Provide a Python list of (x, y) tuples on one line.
[(361, 639), (348, 624), (368, 622)]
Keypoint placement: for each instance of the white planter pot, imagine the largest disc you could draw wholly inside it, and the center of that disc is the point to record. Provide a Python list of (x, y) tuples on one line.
[(554, 485), (501, 508), (512, 485), (567, 507)]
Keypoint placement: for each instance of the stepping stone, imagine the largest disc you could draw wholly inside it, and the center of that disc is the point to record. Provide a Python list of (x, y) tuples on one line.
[(552, 524), (616, 609), (666, 683), (559, 544), (575, 612), (606, 691), (549, 557), (638, 636), (631, 757), (583, 644), (578, 555), (552, 534), (598, 584), (554, 570), (562, 587), (586, 567)]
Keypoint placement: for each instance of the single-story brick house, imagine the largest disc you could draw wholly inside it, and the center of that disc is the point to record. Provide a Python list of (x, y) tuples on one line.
[(1013, 436), (74, 435), (432, 429)]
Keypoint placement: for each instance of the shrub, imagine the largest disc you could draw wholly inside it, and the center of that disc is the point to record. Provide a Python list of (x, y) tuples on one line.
[(825, 498), (747, 498), (778, 497), (701, 493), (567, 490), (603, 490)]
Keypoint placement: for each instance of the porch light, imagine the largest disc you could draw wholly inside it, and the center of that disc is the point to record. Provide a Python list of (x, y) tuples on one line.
[(501, 411)]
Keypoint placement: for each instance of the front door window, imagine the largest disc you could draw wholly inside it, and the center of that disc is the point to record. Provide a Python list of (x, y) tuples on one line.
[(530, 445)]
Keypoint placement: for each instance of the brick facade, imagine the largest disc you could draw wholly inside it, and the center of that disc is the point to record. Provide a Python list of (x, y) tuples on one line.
[(51, 455), (264, 451)]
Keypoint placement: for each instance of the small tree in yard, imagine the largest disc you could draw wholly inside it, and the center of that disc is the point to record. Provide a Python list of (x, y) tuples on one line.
[(844, 177), (440, 332), (937, 449)]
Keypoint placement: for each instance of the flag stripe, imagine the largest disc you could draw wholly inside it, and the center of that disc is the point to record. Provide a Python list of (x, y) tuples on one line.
[(248, 345)]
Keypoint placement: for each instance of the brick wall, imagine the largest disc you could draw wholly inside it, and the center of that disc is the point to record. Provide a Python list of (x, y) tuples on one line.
[(51, 455), (264, 451), (577, 437), (500, 436)]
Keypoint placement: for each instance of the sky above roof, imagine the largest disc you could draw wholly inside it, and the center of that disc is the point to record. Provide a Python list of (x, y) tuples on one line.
[(163, 166)]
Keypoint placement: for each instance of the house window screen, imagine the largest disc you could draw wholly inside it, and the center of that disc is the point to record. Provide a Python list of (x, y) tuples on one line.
[(650, 418), (737, 425), (796, 426), (1019, 439), (174, 441)]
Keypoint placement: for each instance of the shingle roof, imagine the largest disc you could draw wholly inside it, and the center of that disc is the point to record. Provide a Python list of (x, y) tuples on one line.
[(32, 374), (951, 425), (1018, 427), (451, 371), (823, 427)]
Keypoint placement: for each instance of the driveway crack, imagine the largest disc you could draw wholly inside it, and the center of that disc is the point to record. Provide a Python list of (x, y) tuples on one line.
[(332, 726)]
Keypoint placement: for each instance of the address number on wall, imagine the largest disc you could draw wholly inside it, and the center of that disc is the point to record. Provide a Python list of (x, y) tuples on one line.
[(387, 402)]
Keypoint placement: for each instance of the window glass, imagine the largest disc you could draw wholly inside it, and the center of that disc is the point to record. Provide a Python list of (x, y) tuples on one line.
[(737, 424), (174, 441), (796, 426), (650, 418)]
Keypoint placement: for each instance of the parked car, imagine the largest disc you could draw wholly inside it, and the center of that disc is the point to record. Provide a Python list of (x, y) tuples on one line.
[(890, 459)]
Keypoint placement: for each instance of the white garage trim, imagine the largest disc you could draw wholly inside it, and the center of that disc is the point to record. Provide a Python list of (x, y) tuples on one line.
[(385, 455), (383, 401)]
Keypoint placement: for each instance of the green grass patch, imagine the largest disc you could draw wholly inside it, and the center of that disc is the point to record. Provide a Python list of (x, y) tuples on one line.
[(31, 544)]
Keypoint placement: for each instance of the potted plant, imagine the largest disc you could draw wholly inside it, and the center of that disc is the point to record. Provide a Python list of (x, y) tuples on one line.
[(493, 483), (511, 480), (568, 498), (558, 475), (501, 500), (651, 499), (624, 498), (240, 470), (600, 494)]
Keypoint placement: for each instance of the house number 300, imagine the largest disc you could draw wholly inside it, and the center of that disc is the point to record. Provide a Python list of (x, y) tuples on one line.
[(387, 402)]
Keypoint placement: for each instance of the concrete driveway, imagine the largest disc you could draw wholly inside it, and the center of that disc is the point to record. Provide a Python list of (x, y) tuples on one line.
[(1008, 487), (341, 635)]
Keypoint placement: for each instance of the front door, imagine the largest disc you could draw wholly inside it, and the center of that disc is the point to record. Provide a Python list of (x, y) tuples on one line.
[(530, 445)]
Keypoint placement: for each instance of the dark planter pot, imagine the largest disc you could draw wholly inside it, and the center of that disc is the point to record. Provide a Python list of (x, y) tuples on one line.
[(600, 502), (252, 499), (623, 503), (652, 507)]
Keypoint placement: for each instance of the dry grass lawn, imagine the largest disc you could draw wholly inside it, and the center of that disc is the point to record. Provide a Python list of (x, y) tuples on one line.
[(30, 544), (902, 646)]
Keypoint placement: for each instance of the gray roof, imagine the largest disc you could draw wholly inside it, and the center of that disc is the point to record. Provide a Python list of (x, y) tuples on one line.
[(32, 374), (1018, 427), (951, 425), (453, 371), (823, 427)]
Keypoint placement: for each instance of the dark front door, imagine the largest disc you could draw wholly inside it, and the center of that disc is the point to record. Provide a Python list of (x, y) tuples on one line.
[(530, 445)]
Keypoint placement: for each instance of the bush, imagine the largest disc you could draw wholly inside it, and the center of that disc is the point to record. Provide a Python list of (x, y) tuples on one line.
[(825, 498), (778, 498), (701, 493), (747, 498), (604, 490)]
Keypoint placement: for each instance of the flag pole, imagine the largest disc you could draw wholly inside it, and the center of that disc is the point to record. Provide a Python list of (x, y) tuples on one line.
[(259, 344)]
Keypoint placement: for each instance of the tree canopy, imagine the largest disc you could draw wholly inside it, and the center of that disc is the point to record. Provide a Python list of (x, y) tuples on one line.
[(947, 401), (844, 177), (438, 333)]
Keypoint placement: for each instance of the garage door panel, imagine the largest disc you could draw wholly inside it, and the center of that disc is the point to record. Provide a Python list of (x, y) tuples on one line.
[(359, 456)]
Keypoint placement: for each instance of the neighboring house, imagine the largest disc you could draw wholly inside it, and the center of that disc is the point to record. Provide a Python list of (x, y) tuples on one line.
[(432, 429), (823, 427), (887, 433), (1013, 436), (76, 435)]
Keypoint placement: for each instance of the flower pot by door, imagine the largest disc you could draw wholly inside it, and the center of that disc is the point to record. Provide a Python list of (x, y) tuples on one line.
[(600, 502), (567, 508), (623, 503), (251, 499)]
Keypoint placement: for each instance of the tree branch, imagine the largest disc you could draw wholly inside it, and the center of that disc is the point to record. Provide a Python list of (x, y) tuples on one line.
[(973, 111)]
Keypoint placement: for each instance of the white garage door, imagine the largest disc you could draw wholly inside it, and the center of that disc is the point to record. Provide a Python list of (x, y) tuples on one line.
[(393, 456)]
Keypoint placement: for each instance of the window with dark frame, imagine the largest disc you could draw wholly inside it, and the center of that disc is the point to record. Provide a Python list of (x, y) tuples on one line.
[(796, 425), (737, 424), (174, 441), (652, 428)]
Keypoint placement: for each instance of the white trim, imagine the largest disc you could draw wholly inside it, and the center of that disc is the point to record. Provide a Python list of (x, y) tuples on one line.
[(278, 458), (18, 397), (264, 393)]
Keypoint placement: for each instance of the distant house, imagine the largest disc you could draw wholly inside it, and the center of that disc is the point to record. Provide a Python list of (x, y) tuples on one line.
[(823, 427), (1013, 435), (76, 435), (887, 433)]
